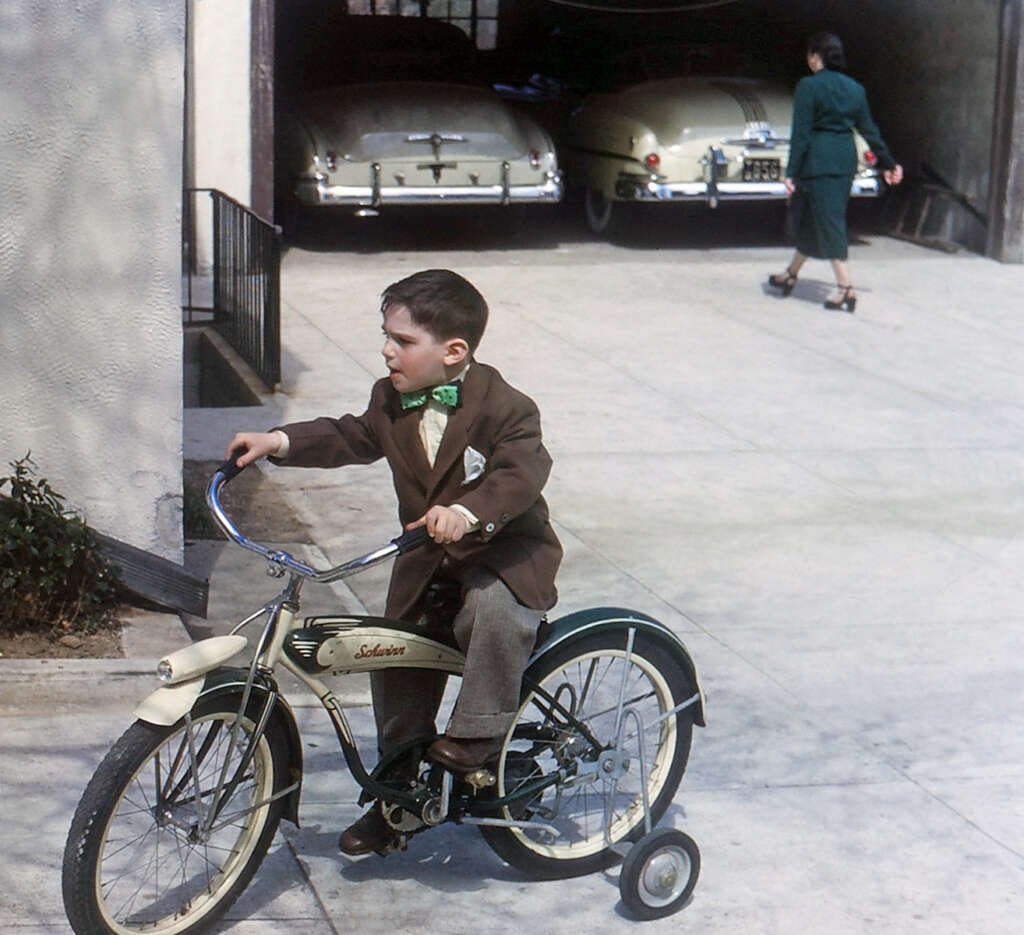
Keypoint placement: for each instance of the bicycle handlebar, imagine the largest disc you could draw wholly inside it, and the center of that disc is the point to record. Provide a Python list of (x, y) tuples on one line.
[(411, 539), (229, 470)]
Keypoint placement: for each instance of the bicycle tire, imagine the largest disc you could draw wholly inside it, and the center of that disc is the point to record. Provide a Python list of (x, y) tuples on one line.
[(656, 683), (124, 831)]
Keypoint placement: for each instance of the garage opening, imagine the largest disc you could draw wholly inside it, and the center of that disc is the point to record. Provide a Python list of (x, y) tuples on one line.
[(942, 76)]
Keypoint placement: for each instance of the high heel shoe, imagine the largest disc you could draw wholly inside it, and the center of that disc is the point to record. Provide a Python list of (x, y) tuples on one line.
[(847, 303), (785, 282)]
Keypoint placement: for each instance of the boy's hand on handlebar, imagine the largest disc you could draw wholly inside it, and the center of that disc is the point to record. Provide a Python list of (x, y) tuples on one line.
[(443, 524), (247, 447)]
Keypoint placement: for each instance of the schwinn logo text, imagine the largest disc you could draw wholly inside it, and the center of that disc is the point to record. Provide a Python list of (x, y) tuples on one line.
[(367, 651)]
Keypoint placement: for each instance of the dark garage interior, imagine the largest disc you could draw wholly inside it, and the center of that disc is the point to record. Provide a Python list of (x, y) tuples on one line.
[(943, 77)]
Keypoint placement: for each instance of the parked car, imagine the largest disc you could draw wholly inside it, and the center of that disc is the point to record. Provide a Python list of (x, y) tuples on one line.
[(686, 139), (392, 111)]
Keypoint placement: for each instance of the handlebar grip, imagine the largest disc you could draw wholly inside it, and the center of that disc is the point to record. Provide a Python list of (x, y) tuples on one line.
[(412, 539), (229, 469)]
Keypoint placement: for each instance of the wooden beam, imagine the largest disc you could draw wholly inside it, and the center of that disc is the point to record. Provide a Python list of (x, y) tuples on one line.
[(156, 579), (1006, 181), (261, 108)]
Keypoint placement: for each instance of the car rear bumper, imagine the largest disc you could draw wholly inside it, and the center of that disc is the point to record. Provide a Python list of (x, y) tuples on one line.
[(316, 192), (640, 188)]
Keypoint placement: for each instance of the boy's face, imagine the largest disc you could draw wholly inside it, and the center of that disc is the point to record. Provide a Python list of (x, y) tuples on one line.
[(415, 358)]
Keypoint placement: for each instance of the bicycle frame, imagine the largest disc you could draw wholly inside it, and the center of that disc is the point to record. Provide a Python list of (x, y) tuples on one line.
[(347, 649)]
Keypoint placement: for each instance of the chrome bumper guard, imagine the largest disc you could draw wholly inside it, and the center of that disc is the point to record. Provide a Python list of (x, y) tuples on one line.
[(319, 192), (648, 188)]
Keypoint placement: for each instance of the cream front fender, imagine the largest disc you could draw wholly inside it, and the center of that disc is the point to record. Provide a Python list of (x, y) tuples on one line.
[(185, 671), (169, 703)]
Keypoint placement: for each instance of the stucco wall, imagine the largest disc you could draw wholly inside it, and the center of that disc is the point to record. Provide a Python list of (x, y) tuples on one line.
[(217, 132), (90, 317), (219, 96)]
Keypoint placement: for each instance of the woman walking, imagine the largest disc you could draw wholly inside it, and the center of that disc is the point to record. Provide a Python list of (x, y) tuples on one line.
[(827, 106)]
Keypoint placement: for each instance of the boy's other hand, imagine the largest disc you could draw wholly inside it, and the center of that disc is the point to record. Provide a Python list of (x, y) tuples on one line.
[(247, 447), (443, 524)]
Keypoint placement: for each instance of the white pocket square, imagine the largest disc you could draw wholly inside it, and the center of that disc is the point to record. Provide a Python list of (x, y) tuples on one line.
[(473, 464)]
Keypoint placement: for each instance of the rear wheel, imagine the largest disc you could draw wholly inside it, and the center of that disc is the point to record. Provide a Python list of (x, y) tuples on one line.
[(568, 722), (599, 211), (147, 852)]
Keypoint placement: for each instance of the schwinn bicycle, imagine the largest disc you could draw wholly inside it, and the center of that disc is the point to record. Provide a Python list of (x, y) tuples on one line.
[(180, 813)]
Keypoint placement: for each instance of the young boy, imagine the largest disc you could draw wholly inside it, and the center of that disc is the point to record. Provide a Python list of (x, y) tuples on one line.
[(466, 456)]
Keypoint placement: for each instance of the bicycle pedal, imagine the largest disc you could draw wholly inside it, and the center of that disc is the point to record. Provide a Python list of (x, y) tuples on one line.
[(480, 779)]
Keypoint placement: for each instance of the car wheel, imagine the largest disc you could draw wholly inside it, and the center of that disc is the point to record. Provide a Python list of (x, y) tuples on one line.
[(599, 211)]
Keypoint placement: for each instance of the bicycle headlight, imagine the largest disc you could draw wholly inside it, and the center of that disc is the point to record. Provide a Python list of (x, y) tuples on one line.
[(192, 661)]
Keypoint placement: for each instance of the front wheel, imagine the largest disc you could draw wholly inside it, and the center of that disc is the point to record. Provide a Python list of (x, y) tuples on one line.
[(569, 721), (153, 847)]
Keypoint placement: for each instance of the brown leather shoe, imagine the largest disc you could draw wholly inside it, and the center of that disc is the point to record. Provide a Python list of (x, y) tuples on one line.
[(370, 833), (461, 755)]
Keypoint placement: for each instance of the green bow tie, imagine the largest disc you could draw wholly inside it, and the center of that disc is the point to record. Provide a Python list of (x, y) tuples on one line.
[(448, 394)]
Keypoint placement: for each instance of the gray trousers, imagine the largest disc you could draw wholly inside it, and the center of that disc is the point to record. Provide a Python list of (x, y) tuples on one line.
[(497, 634)]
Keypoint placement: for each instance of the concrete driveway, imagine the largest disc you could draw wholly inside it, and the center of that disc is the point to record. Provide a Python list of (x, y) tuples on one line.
[(827, 508)]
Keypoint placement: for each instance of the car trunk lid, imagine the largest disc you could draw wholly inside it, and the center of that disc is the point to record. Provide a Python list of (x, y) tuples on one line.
[(423, 121), (678, 110)]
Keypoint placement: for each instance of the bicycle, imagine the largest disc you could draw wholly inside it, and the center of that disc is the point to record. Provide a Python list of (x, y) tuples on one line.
[(180, 813)]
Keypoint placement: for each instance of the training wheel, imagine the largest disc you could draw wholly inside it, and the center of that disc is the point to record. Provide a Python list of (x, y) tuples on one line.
[(659, 873)]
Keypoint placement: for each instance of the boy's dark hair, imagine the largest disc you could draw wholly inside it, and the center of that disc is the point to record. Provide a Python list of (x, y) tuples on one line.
[(442, 302), (829, 46)]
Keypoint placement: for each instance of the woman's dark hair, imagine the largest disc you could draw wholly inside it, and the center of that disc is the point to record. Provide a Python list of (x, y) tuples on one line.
[(442, 302), (830, 48)]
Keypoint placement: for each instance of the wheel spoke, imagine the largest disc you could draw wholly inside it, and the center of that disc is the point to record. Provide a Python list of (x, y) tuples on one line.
[(155, 867), (129, 901), (569, 721), (585, 693)]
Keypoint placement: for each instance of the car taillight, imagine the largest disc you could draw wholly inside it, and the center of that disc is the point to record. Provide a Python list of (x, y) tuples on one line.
[(535, 158), (869, 157), (331, 158), (652, 161)]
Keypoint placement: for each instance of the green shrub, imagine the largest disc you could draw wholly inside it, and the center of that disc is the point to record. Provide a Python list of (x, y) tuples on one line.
[(52, 574)]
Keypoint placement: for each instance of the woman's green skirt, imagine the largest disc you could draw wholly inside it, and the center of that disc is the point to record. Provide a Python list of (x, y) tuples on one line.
[(817, 216)]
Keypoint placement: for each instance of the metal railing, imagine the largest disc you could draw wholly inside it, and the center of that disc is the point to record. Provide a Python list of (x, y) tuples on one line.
[(231, 264), (927, 210)]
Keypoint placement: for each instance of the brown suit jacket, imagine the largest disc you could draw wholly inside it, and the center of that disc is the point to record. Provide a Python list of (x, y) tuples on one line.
[(515, 541)]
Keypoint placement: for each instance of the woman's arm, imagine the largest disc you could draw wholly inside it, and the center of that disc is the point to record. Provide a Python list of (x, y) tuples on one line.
[(869, 130), (800, 130)]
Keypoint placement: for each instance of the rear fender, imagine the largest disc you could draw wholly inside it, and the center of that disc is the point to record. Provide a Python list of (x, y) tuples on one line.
[(585, 623), (167, 705)]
